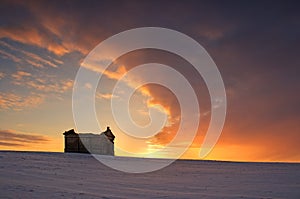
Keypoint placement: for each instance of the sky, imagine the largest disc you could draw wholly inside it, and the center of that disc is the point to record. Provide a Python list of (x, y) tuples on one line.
[(255, 46)]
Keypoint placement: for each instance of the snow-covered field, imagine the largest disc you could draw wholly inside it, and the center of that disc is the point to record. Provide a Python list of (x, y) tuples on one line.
[(59, 175)]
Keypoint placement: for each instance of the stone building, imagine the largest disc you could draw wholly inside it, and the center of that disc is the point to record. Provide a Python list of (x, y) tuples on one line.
[(102, 144)]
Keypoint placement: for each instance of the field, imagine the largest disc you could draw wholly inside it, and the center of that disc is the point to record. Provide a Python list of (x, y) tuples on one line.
[(59, 175)]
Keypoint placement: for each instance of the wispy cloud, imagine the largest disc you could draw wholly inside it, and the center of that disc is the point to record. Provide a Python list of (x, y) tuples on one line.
[(98, 67), (10, 101), (54, 87), (10, 56), (35, 58), (9, 144), (104, 96), (2, 75), (29, 57), (36, 88), (15, 138), (41, 83), (19, 75), (33, 36)]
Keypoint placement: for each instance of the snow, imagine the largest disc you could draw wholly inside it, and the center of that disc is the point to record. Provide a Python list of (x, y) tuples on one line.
[(60, 175)]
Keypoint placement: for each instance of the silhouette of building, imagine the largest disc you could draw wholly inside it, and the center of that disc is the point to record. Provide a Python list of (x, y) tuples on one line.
[(102, 144)]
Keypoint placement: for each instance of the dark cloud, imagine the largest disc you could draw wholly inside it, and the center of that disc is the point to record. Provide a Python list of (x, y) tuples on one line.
[(9, 144), (12, 138)]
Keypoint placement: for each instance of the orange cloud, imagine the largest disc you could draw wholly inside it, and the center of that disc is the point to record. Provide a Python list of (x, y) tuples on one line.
[(114, 74), (121, 70), (56, 30), (104, 96), (32, 36), (45, 30), (20, 74)]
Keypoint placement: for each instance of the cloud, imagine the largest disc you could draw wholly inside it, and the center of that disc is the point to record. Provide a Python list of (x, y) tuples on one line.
[(38, 26), (104, 96), (42, 83), (33, 36), (39, 60), (21, 56), (58, 28), (10, 56), (9, 144), (114, 73), (19, 75), (10, 101), (14, 138), (36, 88), (2, 75), (48, 87), (154, 94), (214, 30)]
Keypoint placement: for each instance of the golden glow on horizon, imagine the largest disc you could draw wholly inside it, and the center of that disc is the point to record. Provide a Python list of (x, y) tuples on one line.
[(222, 151)]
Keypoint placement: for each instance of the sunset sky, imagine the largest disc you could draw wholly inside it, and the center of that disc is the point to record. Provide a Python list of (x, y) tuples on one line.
[(255, 45)]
